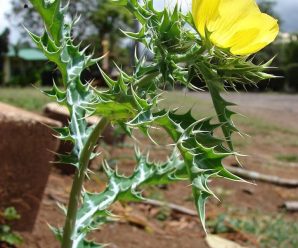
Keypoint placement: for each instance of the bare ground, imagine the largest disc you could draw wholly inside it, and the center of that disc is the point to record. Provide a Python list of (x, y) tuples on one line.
[(273, 128)]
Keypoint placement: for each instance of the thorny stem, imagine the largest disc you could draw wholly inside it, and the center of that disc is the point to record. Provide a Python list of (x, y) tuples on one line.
[(77, 185), (211, 78)]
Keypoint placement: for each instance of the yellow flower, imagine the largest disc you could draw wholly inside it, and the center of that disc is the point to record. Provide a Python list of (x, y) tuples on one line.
[(238, 25)]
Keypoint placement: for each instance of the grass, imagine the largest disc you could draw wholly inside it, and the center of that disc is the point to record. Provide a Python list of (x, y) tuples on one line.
[(27, 98), (290, 158), (259, 125), (268, 231)]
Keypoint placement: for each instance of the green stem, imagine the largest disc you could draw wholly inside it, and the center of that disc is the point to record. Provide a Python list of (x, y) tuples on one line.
[(188, 164), (77, 185), (187, 161), (215, 86), (147, 78)]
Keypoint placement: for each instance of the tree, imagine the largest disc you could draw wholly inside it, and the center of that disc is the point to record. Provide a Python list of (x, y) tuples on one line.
[(107, 20), (99, 20), (291, 50), (4, 42)]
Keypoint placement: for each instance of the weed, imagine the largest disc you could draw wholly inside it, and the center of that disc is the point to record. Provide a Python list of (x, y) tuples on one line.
[(269, 231), (290, 158), (6, 233)]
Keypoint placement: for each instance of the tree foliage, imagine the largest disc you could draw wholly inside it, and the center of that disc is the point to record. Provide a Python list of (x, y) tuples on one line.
[(99, 20), (4, 42)]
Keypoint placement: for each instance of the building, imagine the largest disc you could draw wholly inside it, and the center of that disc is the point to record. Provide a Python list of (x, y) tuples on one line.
[(18, 62)]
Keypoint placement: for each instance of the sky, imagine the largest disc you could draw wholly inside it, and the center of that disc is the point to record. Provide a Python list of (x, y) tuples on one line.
[(286, 9)]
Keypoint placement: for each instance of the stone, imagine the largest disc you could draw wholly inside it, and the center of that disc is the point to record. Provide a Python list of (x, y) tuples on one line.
[(27, 145)]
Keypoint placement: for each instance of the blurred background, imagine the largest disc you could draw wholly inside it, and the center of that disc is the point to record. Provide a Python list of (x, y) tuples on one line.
[(252, 215), (22, 65)]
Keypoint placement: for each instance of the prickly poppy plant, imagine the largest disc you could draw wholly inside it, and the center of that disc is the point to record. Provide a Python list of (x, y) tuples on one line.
[(206, 44)]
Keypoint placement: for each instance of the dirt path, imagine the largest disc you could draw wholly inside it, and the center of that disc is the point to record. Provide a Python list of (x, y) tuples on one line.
[(275, 108)]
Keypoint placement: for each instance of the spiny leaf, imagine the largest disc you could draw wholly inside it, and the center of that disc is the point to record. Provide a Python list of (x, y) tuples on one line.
[(201, 151), (221, 105), (63, 134), (126, 188), (56, 93), (135, 36), (53, 15), (89, 244)]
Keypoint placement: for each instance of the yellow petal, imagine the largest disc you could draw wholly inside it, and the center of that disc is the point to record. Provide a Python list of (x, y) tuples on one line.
[(203, 11), (268, 30), (235, 24), (255, 32), (231, 13)]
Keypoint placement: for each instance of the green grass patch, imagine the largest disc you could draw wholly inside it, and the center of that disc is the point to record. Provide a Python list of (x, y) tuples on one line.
[(293, 142), (27, 98), (269, 231), (260, 126), (290, 158)]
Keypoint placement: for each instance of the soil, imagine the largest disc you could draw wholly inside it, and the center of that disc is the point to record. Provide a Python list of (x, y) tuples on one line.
[(143, 228), (4, 245)]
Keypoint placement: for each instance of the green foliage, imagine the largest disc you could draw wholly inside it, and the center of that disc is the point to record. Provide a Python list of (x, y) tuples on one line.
[(290, 158), (3, 49), (54, 22), (4, 42), (26, 98), (291, 50), (11, 214), (270, 231), (292, 76), (26, 74), (132, 102), (100, 17), (6, 234)]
